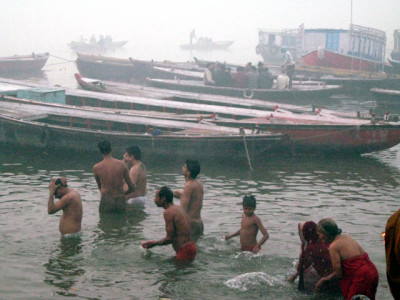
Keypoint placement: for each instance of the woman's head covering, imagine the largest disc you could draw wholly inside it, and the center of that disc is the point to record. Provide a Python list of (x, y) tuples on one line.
[(310, 232)]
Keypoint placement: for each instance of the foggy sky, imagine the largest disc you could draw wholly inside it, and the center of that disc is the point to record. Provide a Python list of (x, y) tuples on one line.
[(40, 25)]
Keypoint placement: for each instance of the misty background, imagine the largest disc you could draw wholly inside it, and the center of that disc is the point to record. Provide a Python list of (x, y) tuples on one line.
[(155, 29)]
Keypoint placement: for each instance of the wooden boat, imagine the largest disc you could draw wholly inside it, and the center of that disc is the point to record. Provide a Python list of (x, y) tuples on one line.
[(319, 136), (124, 69), (23, 63), (204, 43), (309, 126), (388, 96), (65, 128), (102, 45), (101, 67), (298, 94)]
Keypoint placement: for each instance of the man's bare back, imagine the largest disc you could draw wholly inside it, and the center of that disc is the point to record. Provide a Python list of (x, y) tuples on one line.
[(110, 175)]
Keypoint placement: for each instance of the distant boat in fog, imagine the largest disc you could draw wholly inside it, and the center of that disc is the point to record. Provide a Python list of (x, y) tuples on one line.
[(103, 44), (23, 63), (205, 43)]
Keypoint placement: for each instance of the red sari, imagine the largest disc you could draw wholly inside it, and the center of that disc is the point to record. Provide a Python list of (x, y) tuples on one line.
[(359, 277), (315, 254)]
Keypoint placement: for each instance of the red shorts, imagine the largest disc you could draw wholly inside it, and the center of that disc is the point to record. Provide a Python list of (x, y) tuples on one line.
[(248, 248), (187, 252)]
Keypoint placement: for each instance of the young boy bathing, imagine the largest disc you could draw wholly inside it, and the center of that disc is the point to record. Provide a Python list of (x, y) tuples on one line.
[(250, 225)]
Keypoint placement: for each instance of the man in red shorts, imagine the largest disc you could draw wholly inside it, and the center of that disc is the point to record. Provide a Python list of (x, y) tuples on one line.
[(177, 226)]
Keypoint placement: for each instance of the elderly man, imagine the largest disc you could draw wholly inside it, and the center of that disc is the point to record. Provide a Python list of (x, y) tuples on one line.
[(70, 202)]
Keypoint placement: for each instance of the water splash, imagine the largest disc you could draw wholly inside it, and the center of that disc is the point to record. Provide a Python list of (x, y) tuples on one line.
[(252, 280)]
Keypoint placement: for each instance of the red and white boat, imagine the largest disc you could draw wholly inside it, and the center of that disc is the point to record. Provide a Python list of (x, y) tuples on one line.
[(359, 48)]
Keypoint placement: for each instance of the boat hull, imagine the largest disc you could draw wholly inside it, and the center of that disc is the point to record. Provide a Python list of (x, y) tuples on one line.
[(21, 64), (24, 133), (333, 139), (333, 59), (303, 95)]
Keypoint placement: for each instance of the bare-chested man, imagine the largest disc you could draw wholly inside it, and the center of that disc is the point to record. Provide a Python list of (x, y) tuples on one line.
[(192, 197), (110, 174), (177, 227), (70, 202), (138, 174)]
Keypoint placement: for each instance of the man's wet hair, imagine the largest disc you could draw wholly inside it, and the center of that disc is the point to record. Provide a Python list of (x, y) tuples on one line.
[(135, 151), (104, 147), (249, 201), (193, 167), (167, 193)]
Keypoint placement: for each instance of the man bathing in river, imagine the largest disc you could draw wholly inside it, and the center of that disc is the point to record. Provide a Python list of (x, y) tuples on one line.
[(177, 226), (191, 198), (110, 175), (138, 174), (70, 202)]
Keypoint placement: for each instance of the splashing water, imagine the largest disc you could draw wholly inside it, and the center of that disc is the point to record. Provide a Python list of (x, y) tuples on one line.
[(252, 280)]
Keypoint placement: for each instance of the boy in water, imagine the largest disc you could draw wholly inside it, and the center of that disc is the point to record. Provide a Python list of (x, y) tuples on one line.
[(250, 225)]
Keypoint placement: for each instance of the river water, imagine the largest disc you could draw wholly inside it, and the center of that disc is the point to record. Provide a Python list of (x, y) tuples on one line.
[(106, 262)]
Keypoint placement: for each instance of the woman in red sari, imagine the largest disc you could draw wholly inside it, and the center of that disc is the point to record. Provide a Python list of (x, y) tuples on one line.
[(314, 260), (350, 263)]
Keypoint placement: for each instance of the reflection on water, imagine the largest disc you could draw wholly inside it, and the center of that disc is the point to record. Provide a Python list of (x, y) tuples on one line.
[(65, 265), (120, 227)]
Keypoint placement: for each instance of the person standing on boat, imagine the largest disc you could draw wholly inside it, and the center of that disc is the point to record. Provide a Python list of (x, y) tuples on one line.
[(288, 64), (138, 174), (110, 175), (191, 198), (71, 204), (177, 226), (208, 76), (351, 264), (392, 249)]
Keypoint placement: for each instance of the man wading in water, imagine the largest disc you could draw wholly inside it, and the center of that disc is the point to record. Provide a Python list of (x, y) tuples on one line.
[(110, 175)]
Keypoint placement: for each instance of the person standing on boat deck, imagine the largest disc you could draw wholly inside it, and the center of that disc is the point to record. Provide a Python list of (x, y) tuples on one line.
[(288, 64), (177, 226), (208, 77), (350, 263), (191, 198), (392, 250), (70, 202), (110, 174), (138, 175)]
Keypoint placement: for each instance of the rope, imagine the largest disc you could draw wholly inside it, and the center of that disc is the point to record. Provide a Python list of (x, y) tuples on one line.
[(247, 152), (68, 60)]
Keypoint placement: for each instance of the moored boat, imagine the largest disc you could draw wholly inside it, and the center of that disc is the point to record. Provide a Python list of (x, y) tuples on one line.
[(23, 63), (316, 136), (298, 94), (204, 43), (62, 127), (357, 48)]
